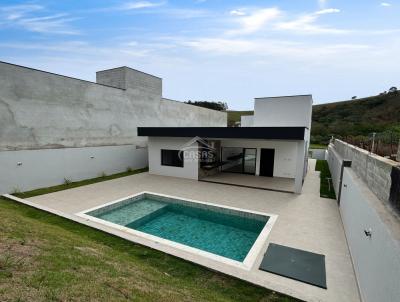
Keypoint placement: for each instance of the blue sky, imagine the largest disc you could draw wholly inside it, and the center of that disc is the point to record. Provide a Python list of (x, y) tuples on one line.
[(229, 51)]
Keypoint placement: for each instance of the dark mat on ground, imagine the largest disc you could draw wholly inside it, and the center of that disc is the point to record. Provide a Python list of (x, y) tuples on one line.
[(295, 264)]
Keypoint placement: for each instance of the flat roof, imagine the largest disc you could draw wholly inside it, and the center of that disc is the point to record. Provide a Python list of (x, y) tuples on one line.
[(283, 96), (284, 133)]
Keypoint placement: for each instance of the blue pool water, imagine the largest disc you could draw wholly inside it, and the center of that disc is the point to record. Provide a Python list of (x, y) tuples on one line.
[(212, 229)]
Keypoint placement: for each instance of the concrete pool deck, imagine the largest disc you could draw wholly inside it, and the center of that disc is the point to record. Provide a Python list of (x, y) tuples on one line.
[(304, 221), (258, 182)]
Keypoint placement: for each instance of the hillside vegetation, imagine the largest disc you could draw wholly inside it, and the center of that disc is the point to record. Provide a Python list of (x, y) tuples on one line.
[(358, 117), (234, 116)]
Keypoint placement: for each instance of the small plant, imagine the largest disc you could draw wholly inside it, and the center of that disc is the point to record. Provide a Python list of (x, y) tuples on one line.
[(129, 169), (67, 181), (9, 263), (16, 190)]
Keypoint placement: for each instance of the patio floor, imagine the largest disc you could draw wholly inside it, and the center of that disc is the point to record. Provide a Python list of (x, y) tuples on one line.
[(304, 221), (262, 182)]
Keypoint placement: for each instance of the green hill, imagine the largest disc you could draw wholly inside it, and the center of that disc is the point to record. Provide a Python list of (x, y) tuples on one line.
[(358, 117)]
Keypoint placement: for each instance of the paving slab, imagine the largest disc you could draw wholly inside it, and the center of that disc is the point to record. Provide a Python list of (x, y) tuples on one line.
[(305, 221)]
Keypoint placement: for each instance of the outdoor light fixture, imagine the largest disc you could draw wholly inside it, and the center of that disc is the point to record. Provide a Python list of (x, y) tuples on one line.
[(368, 232)]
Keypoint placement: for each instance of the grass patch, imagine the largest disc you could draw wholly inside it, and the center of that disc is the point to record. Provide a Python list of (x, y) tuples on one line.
[(68, 184), (48, 258), (326, 186), (318, 146)]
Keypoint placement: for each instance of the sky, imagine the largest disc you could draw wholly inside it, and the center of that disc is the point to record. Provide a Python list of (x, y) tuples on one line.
[(213, 50)]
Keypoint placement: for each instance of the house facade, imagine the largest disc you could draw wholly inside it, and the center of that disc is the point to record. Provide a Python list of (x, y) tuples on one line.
[(269, 151)]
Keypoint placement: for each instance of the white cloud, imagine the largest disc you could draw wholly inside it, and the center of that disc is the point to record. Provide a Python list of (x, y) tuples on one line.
[(327, 11), (25, 16), (268, 47), (141, 5), (17, 11), (307, 24), (386, 4), (256, 21), (251, 23), (237, 12)]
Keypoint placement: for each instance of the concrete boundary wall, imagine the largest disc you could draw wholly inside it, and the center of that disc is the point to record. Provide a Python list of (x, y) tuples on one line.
[(31, 169), (53, 124), (371, 223), (374, 170), (335, 162), (43, 110), (376, 258)]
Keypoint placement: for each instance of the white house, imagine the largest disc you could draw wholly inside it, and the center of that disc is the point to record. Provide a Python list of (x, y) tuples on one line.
[(269, 151)]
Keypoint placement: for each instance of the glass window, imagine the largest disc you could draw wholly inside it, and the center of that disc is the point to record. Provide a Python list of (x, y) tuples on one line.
[(171, 158)]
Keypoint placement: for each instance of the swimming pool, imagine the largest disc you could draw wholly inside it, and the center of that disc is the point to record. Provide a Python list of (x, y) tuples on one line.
[(222, 231)]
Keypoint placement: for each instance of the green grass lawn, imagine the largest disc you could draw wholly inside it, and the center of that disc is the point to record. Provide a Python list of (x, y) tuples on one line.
[(70, 185), (44, 257), (318, 146), (326, 186)]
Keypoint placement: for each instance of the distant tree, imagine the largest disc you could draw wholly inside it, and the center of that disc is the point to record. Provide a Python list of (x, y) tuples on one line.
[(219, 106), (354, 97)]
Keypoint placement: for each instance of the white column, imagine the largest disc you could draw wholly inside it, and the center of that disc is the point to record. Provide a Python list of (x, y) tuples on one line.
[(298, 182)]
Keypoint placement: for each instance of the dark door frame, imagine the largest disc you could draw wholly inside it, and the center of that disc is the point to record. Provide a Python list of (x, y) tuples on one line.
[(261, 161)]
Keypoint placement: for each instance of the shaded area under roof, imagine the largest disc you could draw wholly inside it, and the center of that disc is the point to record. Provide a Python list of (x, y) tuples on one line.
[(284, 133)]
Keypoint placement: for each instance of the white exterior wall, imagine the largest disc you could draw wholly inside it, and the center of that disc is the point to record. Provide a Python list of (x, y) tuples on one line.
[(285, 154), (286, 111), (376, 259), (292, 111), (335, 162), (318, 153), (247, 121), (190, 168), (48, 167)]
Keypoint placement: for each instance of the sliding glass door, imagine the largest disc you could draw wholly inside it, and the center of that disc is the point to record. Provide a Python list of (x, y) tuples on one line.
[(239, 160), (249, 161)]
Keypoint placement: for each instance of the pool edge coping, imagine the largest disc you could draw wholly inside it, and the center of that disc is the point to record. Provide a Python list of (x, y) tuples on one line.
[(273, 285), (247, 264)]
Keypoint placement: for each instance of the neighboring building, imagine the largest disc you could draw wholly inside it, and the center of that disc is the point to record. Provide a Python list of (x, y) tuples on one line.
[(273, 144), (55, 128)]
